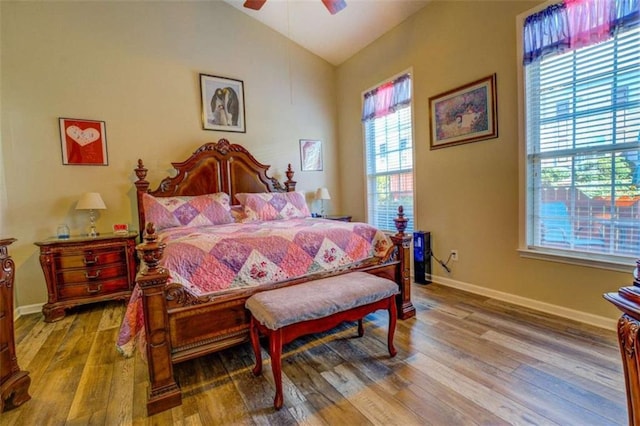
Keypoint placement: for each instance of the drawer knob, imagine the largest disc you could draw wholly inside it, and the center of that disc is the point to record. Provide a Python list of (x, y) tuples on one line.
[(88, 261), (94, 290), (94, 276)]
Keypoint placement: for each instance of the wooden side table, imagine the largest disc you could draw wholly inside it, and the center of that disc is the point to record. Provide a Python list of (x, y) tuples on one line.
[(14, 383), (341, 218), (627, 299), (81, 270)]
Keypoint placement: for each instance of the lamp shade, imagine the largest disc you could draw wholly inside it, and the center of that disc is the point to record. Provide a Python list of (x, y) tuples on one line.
[(322, 194), (90, 201)]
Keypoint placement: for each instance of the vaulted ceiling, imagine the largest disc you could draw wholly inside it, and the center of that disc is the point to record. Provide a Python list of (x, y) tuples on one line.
[(333, 37)]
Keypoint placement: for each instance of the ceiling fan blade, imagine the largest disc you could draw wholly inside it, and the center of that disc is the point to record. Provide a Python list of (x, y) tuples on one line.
[(334, 6), (254, 4)]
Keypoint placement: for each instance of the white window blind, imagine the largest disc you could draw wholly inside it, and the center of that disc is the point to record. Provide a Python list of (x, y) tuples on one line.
[(389, 168), (583, 149)]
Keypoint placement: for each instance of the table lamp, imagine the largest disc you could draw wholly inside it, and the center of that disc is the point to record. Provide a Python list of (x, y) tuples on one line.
[(322, 194), (91, 201)]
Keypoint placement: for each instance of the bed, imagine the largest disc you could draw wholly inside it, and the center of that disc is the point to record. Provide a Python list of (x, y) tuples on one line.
[(181, 323)]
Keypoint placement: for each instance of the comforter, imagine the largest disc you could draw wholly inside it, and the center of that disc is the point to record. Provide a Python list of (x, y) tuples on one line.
[(210, 259)]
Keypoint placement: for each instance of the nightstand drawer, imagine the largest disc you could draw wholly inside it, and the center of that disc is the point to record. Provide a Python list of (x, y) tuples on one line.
[(94, 288), (90, 258), (71, 276)]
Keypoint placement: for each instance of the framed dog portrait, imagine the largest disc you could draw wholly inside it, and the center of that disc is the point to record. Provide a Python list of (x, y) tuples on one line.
[(222, 104), (84, 142)]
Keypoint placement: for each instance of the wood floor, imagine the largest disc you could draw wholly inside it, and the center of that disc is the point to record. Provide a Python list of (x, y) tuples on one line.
[(464, 360)]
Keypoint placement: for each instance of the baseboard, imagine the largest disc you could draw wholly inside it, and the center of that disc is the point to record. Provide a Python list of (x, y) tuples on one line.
[(27, 310), (548, 308)]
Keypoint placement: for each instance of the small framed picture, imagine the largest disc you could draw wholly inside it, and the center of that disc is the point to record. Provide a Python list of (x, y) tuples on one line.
[(120, 228), (84, 142), (222, 104), (310, 155)]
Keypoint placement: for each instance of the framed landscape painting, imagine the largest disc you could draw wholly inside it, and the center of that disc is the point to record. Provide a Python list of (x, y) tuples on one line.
[(222, 104), (465, 114)]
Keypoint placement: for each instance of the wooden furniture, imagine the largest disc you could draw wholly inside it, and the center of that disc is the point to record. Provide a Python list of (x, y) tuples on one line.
[(178, 325), (14, 383), (313, 307), (80, 270), (627, 299), (342, 218)]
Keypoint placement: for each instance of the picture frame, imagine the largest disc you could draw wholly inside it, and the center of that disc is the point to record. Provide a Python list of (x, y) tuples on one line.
[(222, 104), (310, 155), (465, 114), (83, 142)]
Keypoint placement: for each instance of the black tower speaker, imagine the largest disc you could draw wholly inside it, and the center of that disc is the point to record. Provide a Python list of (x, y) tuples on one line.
[(422, 257)]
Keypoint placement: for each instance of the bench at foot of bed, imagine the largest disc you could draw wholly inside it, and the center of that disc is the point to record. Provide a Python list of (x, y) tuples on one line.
[(313, 307)]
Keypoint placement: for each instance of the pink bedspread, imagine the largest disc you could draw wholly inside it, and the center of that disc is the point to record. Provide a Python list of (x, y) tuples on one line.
[(213, 258)]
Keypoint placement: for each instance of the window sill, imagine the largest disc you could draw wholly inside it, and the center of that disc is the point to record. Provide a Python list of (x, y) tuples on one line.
[(617, 263)]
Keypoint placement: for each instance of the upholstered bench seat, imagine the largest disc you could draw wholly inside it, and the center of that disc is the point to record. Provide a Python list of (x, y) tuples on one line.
[(287, 313)]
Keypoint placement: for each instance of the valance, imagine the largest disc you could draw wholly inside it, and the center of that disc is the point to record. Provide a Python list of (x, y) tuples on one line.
[(387, 98), (576, 23)]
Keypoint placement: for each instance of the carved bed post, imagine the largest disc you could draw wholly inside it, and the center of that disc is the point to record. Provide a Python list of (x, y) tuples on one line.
[(290, 184), (627, 299), (142, 186), (403, 244), (164, 392)]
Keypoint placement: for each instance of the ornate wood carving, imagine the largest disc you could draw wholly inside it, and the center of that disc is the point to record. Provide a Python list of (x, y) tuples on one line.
[(14, 383)]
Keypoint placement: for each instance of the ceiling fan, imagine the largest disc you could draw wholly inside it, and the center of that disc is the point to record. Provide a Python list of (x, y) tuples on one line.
[(333, 6)]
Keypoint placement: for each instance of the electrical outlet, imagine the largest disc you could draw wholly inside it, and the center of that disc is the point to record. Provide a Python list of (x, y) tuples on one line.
[(454, 255)]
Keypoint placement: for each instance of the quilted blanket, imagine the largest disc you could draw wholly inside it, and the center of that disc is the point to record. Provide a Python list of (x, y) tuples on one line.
[(240, 255)]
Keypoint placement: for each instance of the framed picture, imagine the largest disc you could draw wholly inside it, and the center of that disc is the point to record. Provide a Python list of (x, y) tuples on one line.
[(84, 142), (222, 104), (310, 155), (463, 115)]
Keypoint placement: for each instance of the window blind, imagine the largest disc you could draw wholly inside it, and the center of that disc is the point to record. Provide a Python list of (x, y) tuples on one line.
[(389, 168), (583, 148)]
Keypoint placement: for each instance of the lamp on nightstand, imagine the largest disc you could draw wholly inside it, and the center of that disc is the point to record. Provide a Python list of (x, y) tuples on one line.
[(91, 201), (322, 194)]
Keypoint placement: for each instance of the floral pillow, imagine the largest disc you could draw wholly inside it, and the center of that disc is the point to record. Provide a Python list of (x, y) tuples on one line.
[(200, 210), (273, 205)]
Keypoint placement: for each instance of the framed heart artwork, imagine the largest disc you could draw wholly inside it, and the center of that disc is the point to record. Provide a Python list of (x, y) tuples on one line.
[(84, 142)]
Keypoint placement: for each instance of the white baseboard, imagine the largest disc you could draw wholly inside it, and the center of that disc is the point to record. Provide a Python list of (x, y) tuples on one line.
[(27, 310), (561, 311)]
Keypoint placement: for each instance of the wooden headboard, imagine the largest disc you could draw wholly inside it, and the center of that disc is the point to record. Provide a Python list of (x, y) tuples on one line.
[(214, 167)]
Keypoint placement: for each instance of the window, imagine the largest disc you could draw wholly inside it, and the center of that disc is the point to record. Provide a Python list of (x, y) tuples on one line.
[(389, 157), (582, 129)]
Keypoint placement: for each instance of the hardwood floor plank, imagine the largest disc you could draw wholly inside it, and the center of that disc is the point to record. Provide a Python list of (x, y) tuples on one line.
[(464, 360), (373, 403), (507, 409), (588, 371)]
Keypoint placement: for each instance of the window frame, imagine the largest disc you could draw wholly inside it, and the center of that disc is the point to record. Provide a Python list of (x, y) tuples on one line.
[(409, 214), (619, 263)]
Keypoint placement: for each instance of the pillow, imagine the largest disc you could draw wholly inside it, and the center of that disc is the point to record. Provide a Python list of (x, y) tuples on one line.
[(273, 205), (199, 210)]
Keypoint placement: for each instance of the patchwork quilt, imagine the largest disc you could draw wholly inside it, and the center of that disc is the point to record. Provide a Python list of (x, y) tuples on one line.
[(208, 259)]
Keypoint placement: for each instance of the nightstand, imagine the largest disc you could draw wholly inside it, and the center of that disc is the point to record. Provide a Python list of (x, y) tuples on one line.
[(81, 270), (338, 217)]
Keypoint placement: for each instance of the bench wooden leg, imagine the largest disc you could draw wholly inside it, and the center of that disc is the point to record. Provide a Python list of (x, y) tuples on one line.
[(360, 328), (255, 343), (275, 351), (392, 326)]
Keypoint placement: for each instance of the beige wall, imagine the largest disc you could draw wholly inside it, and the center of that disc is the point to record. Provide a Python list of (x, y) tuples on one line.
[(467, 196), (135, 65)]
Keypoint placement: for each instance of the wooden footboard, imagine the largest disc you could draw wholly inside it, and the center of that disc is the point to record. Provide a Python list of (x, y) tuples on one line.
[(179, 327)]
